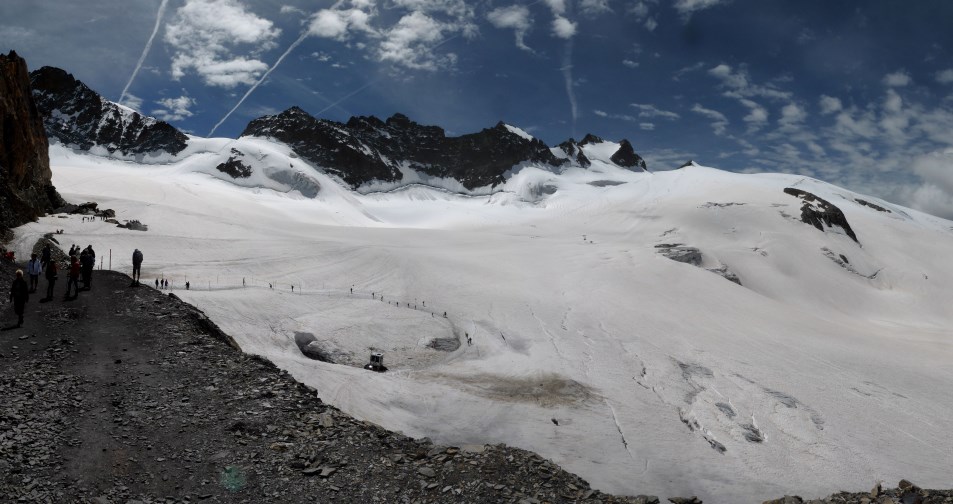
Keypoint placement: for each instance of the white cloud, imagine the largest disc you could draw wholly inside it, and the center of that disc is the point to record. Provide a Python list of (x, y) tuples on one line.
[(413, 40), (408, 43), (132, 101), (899, 78), (687, 70), (739, 85), (174, 109), (935, 193), (791, 115), (945, 76), (339, 23), (558, 6), (757, 115), (718, 120), (593, 8), (563, 28), (646, 126), (328, 24), (630, 63), (639, 9), (829, 104), (650, 24), (648, 110), (687, 7), (205, 34), (515, 17), (290, 9), (621, 117)]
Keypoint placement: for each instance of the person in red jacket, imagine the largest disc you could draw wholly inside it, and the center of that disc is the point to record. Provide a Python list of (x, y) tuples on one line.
[(72, 279)]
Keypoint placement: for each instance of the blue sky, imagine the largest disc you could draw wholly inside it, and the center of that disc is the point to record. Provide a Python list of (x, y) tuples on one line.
[(858, 93)]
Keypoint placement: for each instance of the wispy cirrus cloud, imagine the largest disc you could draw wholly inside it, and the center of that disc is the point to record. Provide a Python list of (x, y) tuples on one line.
[(719, 122), (648, 110), (688, 7)]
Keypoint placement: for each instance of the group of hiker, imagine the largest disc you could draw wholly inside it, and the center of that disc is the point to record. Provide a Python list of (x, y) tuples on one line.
[(79, 268)]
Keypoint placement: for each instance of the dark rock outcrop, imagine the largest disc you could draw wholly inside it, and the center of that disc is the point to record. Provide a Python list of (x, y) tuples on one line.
[(234, 166), (819, 212), (26, 188), (367, 149), (77, 116), (627, 158), (872, 205), (571, 148)]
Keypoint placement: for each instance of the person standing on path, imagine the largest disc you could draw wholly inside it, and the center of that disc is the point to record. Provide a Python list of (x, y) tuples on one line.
[(33, 269), (72, 278), (136, 266), (19, 294), (50, 279), (47, 255), (86, 262)]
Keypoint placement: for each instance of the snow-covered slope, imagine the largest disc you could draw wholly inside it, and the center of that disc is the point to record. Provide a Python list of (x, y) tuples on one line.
[(828, 367)]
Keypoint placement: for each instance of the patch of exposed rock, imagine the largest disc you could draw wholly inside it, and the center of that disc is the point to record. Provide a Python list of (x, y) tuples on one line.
[(819, 212), (234, 166)]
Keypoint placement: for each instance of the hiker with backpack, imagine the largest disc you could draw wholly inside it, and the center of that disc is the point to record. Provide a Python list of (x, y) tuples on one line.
[(136, 266)]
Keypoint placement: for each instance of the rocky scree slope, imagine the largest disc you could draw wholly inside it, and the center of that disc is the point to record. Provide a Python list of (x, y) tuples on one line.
[(367, 149), (26, 188), (78, 117)]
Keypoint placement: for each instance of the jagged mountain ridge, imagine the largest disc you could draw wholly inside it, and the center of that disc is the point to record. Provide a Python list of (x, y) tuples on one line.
[(79, 117), (365, 150), (368, 149)]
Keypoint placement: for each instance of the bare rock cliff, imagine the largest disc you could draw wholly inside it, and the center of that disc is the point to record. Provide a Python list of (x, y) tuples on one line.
[(26, 188)]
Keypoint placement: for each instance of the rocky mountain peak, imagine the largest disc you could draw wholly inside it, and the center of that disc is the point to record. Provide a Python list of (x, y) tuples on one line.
[(77, 116), (26, 188), (590, 139), (626, 156)]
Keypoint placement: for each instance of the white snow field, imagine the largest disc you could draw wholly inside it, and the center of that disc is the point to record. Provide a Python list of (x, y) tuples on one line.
[(637, 372)]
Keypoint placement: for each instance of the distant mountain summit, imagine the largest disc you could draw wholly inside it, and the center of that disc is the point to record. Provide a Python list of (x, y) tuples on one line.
[(78, 117), (367, 149)]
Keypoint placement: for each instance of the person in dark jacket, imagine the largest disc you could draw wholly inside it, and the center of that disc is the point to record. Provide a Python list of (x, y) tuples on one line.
[(19, 294), (72, 278), (136, 266), (51, 271), (87, 261), (47, 255)]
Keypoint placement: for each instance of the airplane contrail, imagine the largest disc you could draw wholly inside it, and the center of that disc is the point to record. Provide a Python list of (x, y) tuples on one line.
[(260, 80), (145, 51), (567, 75)]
